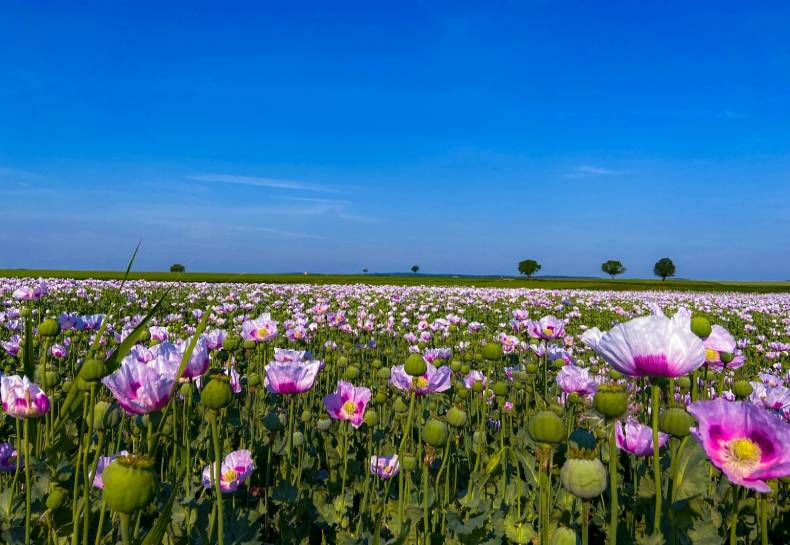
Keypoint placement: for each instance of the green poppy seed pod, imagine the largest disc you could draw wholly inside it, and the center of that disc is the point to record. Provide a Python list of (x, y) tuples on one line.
[(275, 422), (500, 389), (453, 328), (594, 369), (531, 368), (464, 369), (409, 463), (384, 373), (352, 372), (742, 388), (83, 385), (400, 406), (476, 438), (92, 370), (615, 375), (581, 439), (573, 397), (145, 336), (675, 422), (457, 418), (167, 430), (726, 357), (153, 343), (130, 483), (546, 427), (700, 326), (478, 356), (463, 394), (455, 366), (683, 382), (217, 394), (49, 328), (376, 364), (517, 385), (231, 343), (559, 363), (522, 375), (435, 432), (565, 536), (186, 389), (380, 399), (7, 369), (415, 366), (67, 384), (477, 387), (307, 416), (248, 345), (254, 380), (371, 418), (298, 439), (610, 402), (25, 312), (584, 478), (342, 361), (52, 379), (56, 499), (324, 424), (106, 416), (492, 351)]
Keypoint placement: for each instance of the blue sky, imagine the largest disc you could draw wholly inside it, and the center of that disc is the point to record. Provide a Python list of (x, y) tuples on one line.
[(461, 137)]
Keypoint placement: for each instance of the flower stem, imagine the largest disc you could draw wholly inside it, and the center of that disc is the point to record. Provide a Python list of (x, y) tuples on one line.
[(28, 485), (656, 456), (613, 486), (126, 518), (734, 518), (763, 519), (425, 519), (406, 433), (88, 485), (212, 416)]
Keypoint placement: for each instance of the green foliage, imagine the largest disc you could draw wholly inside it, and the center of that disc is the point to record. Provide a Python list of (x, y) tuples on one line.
[(613, 268), (177, 268), (528, 267), (664, 268)]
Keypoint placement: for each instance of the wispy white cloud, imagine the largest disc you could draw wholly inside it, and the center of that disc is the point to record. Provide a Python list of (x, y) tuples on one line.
[(261, 182), (588, 170)]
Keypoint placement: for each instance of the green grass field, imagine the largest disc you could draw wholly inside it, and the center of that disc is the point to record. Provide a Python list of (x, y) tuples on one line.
[(416, 280)]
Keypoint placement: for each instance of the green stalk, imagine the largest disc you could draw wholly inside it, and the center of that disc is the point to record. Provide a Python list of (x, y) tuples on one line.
[(734, 517), (406, 433), (28, 484), (481, 428), (126, 518), (763, 519), (585, 522), (88, 485), (212, 416), (613, 486), (656, 456), (425, 520)]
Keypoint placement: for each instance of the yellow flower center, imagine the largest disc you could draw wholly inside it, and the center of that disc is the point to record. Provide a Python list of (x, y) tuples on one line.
[(230, 475), (420, 383), (548, 331), (711, 356), (743, 451), (263, 332), (349, 408)]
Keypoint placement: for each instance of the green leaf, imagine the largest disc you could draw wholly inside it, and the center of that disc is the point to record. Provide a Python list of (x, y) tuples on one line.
[(704, 532), (456, 525), (518, 531), (693, 472), (494, 461), (654, 539)]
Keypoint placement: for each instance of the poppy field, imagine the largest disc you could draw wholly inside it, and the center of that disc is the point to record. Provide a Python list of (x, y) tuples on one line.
[(145, 412)]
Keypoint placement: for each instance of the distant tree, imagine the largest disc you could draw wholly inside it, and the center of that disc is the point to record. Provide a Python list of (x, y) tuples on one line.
[(613, 268), (528, 267), (177, 268), (365, 271), (415, 269), (664, 268)]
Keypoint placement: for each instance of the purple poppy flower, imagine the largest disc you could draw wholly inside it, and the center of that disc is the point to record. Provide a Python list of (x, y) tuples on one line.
[(433, 354), (140, 388), (68, 321), (592, 337), (548, 328), (637, 439), (11, 346), (198, 361), (58, 351), (90, 322), (750, 445), (774, 398), (260, 329), (653, 346), (472, 377), (296, 333), (434, 380), (101, 465), (292, 377), (348, 403), (215, 338), (22, 398), (158, 333), (235, 470), (385, 467), (286, 356), (8, 457), (576, 379)]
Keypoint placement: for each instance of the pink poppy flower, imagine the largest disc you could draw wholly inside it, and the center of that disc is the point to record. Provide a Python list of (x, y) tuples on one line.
[(576, 379), (637, 438), (548, 328), (235, 470), (101, 465), (348, 403), (260, 329), (653, 346), (385, 466), (8, 457), (291, 377), (139, 388), (22, 398), (750, 445), (434, 380)]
